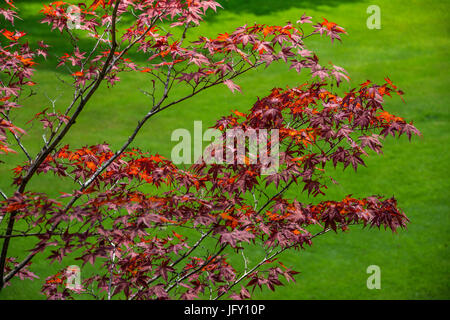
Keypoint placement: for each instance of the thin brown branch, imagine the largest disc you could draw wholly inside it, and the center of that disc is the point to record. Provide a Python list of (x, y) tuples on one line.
[(139, 126), (266, 258), (47, 149), (197, 269)]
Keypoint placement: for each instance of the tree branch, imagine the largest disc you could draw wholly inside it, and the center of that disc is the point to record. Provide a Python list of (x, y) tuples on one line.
[(45, 151), (266, 258)]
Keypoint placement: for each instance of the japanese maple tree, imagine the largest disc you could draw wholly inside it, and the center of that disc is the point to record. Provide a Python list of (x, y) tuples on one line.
[(180, 240)]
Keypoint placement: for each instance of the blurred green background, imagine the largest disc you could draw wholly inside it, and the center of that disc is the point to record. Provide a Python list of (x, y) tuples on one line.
[(411, 48)]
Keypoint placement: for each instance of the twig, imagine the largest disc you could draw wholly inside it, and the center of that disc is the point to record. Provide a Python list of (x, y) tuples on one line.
[(186, 254), (46, 151), (197, 269), (266, 258), (3, 194)]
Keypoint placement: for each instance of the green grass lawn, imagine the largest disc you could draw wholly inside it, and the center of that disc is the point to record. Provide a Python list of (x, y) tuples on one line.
[(411, 48)]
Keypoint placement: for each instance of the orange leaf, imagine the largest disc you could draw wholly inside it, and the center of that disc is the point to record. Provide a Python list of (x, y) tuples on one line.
[(223, 37), (27, 62), (179, 236), (267, 30), (329, 25), (48, 10), (57, 3), (240, 114), (91, 165), (96, 3)]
